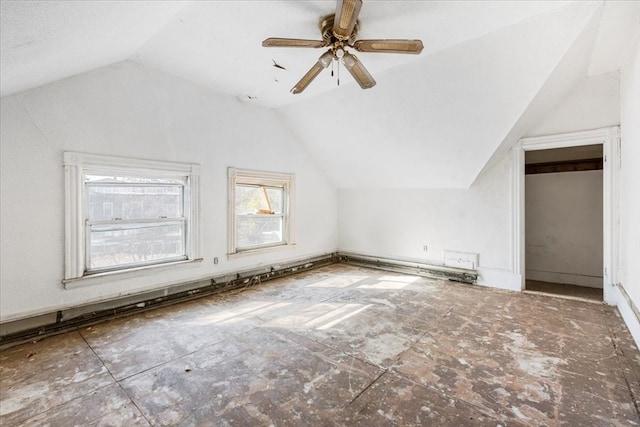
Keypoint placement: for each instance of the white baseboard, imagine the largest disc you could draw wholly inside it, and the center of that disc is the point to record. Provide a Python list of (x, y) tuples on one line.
[(566, 278), (627, 312), (499, 278)]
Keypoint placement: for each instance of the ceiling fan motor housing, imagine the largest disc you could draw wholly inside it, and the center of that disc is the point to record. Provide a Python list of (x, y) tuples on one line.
[(329, 37)]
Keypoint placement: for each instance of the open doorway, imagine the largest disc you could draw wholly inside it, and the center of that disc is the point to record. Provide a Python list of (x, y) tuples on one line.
[(564, 221), (609, 139)]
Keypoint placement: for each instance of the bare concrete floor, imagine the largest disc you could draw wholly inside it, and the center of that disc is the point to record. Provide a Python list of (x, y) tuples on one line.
[(339, 345)]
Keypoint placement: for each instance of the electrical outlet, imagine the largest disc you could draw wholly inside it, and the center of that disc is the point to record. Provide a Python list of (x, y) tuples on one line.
[(215, 260), (425, 248)]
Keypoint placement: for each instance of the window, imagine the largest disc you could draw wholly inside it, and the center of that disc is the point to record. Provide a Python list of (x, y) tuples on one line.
[(124, 213), (144, 222), (260, 210)]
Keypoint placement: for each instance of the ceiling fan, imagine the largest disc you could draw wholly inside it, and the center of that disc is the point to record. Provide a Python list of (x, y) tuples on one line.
[(339, 32)]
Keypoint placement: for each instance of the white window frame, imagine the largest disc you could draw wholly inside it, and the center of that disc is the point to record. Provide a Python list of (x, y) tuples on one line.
[(77, 165), (267, 179)]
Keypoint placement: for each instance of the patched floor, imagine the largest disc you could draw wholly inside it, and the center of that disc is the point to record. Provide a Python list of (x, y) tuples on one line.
[(339, 345)]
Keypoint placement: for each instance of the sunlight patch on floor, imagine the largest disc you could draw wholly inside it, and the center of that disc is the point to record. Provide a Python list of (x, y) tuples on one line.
[(319, 316), (384, 285), (342, 281), (244, 311), (401, 279)]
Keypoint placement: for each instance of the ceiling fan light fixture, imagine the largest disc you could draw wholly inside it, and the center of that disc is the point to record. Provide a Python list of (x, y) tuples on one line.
[(326, 59), (358, 71)]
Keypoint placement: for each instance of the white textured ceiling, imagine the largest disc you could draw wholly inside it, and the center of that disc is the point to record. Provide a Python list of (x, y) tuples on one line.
[(433, 120), (218, 43), (45, 41)]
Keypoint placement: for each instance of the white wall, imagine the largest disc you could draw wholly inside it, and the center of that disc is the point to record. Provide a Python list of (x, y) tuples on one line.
[(629, 271), (132, 111), (398, 223), (593, 103), (563, 227)]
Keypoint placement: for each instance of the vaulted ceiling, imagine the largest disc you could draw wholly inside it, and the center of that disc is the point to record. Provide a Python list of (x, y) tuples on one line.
[(488, 72)]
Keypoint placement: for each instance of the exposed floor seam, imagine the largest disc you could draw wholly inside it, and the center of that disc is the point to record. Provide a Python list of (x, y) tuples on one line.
[(395, 360), (479, 409), (375, 379), (620, 354), (114, 379), (328, 347), (61, 404), (442, 316), (169, 361), (473, 405)]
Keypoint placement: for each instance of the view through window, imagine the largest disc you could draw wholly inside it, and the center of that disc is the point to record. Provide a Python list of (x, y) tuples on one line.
[(261, 210), (134, 221), (259, 215)]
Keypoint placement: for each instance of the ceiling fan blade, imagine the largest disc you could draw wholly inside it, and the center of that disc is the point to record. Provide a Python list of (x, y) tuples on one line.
[(389, 46), (357, 70), (323, 62), (345, 18), (279, 42)]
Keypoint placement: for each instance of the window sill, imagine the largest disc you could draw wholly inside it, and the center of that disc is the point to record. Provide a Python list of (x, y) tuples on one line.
[(109, 276), (257, 251)]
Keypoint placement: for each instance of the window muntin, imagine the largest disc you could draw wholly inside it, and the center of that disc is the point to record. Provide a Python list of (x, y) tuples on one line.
[(132, 221), (260, 210)]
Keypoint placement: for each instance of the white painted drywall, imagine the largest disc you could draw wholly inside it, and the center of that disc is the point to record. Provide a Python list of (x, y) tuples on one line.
[(571, 69), (563, 228), (398, 223), (629, 258), (129, 110), (593, 103)]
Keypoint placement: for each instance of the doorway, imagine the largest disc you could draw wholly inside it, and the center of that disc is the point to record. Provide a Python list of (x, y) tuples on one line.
[(606, 138), (564, 221)]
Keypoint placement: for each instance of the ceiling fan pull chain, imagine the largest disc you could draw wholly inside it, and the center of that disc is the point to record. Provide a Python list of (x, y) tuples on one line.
[(338, 72)]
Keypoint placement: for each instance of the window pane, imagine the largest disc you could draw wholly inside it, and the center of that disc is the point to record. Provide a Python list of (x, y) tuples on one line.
[(258, 230), (251, 199), (276, 198), (112, 246), (134, 201)]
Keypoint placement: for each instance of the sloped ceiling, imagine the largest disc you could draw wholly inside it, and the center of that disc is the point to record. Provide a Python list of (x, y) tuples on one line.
[(433, 120)]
